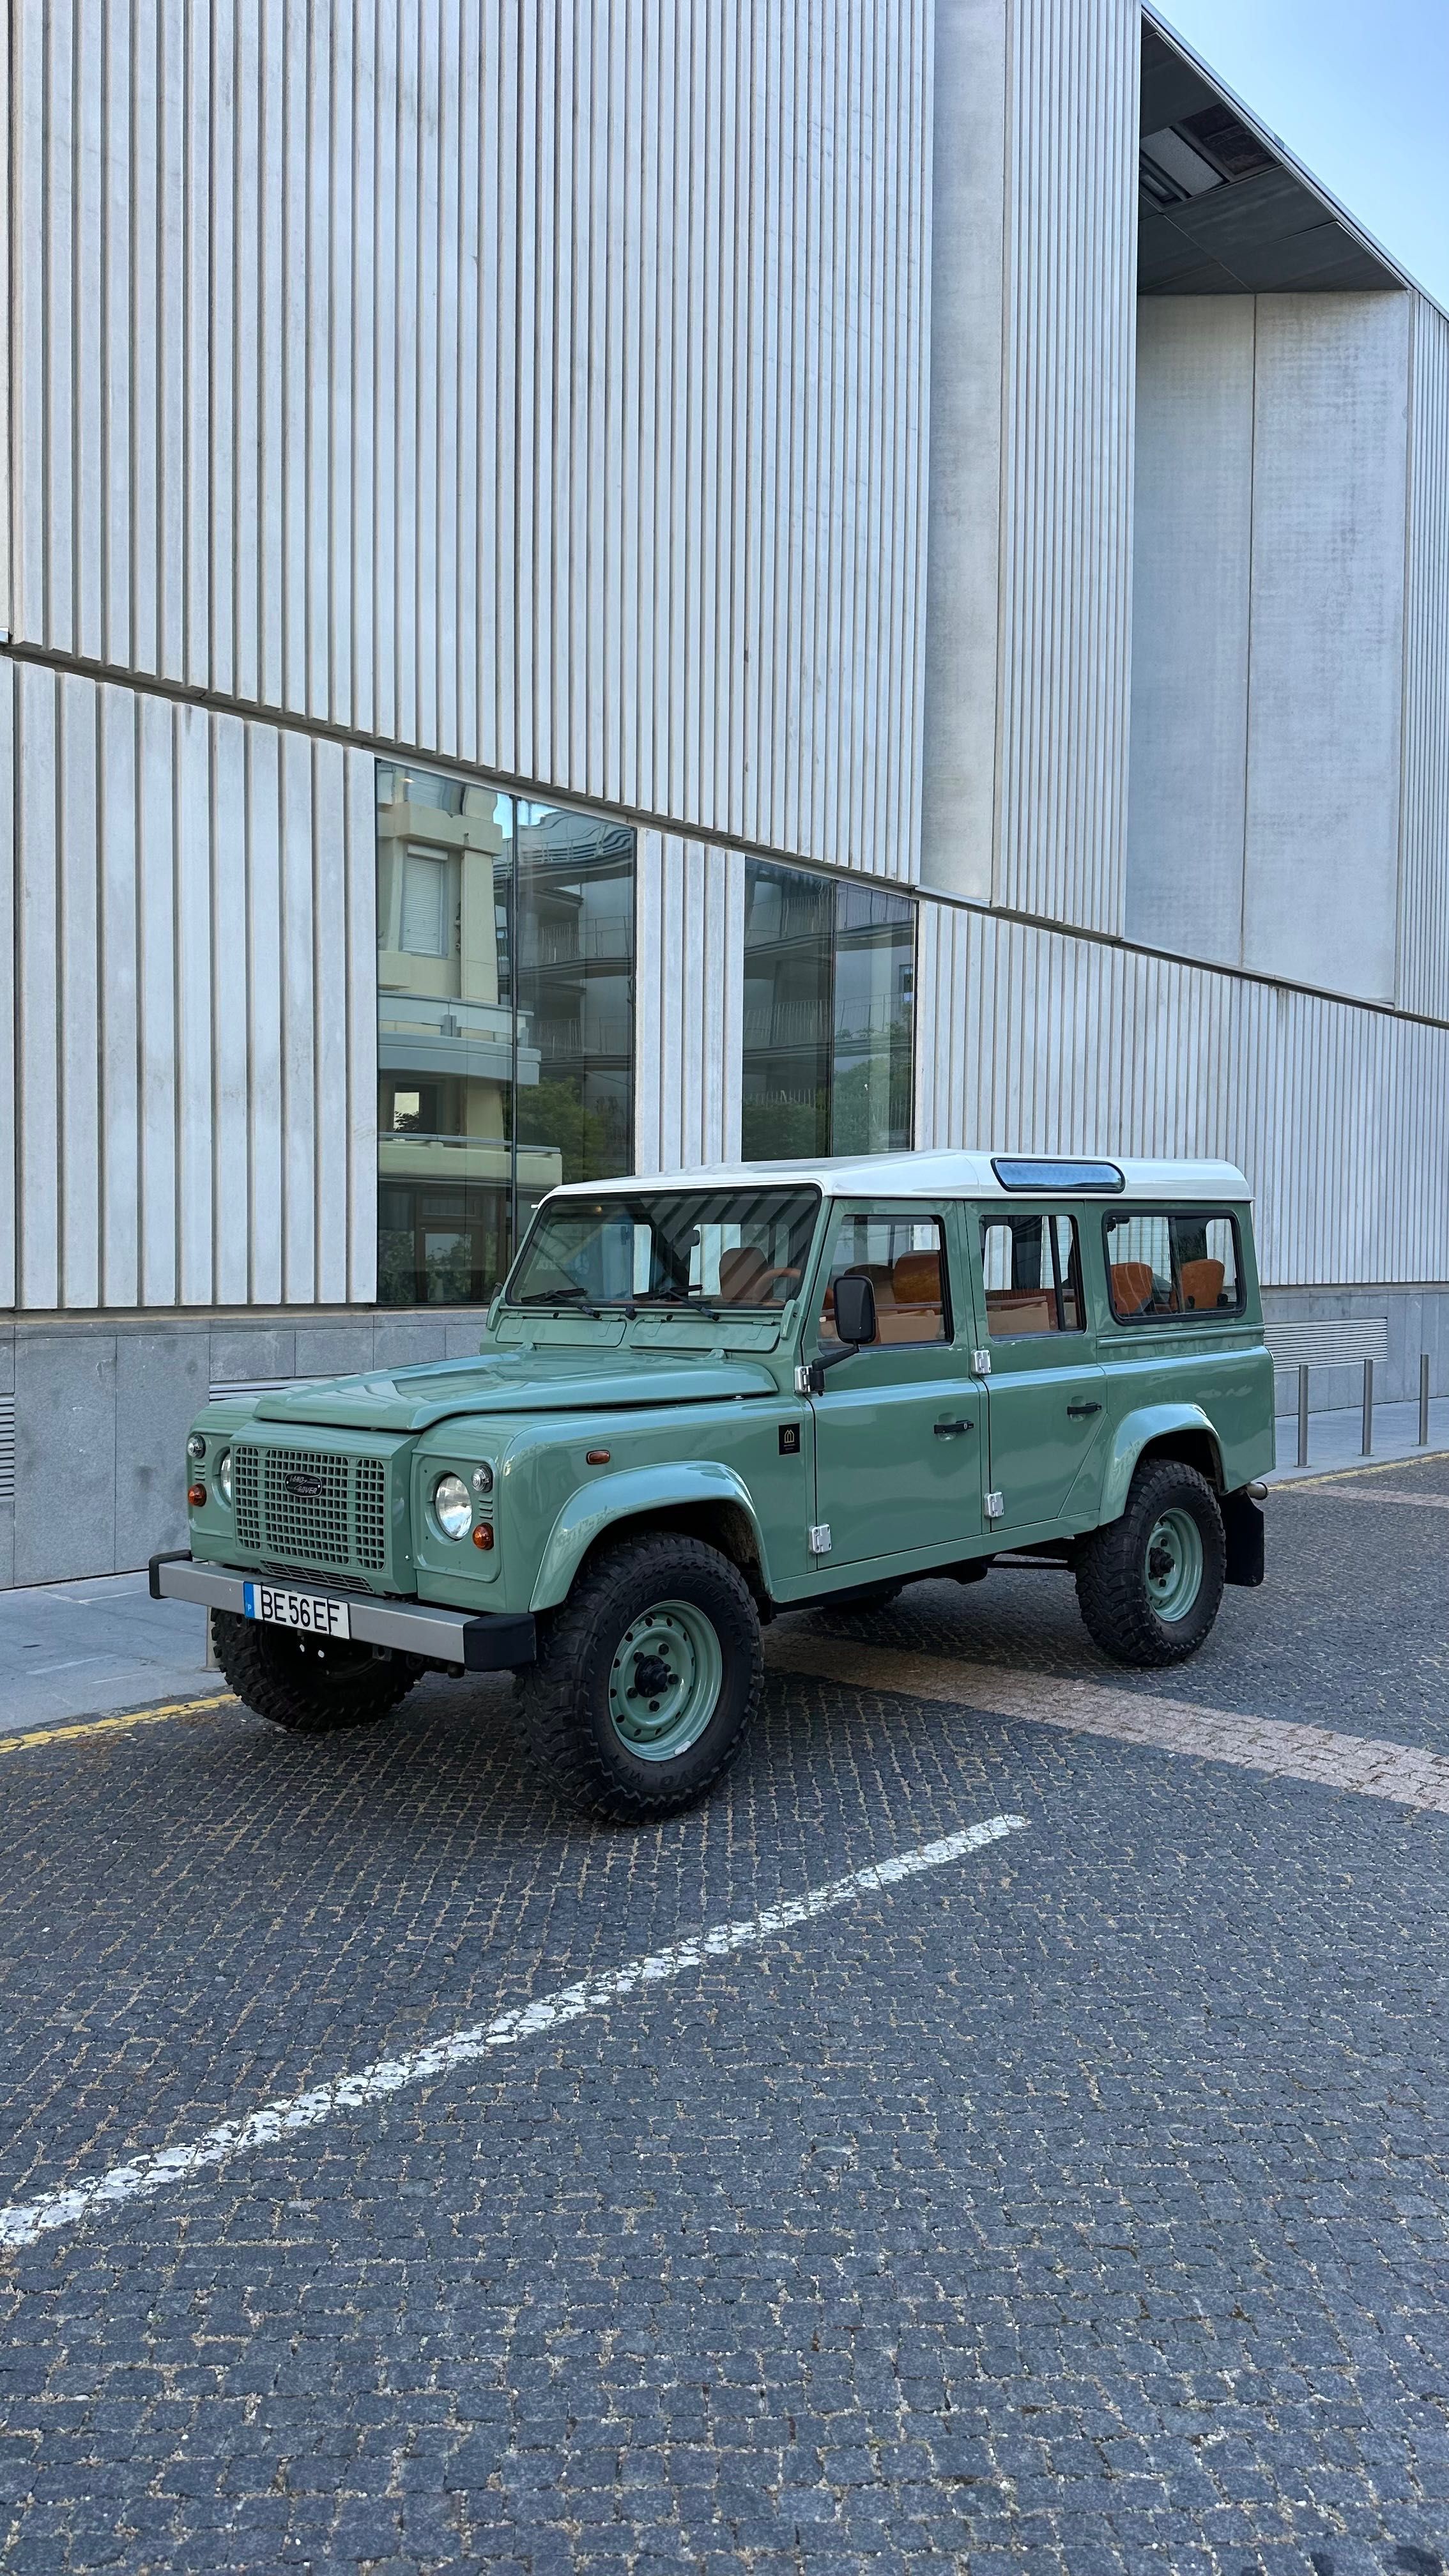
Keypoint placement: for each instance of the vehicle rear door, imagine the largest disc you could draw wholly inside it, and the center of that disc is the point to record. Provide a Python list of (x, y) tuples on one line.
[(898, 1427), (1046, 1389)]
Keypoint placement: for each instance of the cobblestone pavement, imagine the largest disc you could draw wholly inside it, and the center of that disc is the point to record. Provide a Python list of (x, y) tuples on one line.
[(1078, 2207)]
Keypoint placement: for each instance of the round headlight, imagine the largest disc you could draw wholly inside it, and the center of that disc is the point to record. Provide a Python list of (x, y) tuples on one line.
[(483, 1479), (223, 1478), (452, 1509), (196, 1446)]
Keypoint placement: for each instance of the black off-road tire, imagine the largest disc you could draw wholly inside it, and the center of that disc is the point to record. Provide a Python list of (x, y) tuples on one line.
[(1112, 1585), (310, 1685), (562, 1701)]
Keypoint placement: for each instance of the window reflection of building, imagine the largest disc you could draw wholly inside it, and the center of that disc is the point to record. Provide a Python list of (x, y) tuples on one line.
[(829, 998), (505, 1023)]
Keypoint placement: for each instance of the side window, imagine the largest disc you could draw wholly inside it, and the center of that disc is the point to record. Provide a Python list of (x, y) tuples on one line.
[(1180, 1263), (1033, 1275), (904, 1258)]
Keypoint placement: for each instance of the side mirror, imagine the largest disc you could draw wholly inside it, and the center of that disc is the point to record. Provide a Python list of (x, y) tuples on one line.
[(855, 1317)]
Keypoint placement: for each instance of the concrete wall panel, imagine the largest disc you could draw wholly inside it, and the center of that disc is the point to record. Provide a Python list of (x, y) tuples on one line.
[(1037, 1042), (194, 1118), (543, 387), (1192, 568), (1329, 498)]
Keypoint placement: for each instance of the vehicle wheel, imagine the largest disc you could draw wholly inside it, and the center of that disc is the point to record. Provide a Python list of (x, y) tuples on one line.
[(1149, 1584), (311, 1685), (646, 1679)]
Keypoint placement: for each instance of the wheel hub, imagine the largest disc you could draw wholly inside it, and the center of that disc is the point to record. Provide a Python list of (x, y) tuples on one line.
[(665, 1680), (1174, 1564)]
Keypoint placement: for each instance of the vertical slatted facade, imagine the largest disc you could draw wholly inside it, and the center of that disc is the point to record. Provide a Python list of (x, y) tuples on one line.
[(194, 1004), (1340, 1116), (1066, 522), (539, 386), (1424, 802)]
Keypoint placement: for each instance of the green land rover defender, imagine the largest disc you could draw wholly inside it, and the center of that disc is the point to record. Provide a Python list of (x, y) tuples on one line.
[(715, 1395)]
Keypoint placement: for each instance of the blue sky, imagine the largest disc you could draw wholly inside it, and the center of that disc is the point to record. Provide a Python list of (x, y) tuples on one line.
[(1359, 91)]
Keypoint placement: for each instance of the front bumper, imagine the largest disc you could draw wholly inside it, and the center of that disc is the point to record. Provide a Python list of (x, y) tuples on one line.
[(487, 1642)]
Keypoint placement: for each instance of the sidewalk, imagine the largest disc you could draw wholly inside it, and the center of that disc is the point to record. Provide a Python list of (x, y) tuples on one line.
[(76, 1649), (1335, 1440)]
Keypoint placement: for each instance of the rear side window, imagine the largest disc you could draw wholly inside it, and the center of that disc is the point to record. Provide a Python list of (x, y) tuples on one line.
[(1032, 1275), (1180, 1263)]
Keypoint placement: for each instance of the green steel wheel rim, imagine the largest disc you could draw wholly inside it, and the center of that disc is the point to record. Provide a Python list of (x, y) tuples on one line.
[(665, 1681), (1174, 1564)]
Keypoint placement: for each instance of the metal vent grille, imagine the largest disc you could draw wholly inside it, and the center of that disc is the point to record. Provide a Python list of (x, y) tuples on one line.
[(304, 1504), (7, 1448), (371, 1514), (222, 1387)]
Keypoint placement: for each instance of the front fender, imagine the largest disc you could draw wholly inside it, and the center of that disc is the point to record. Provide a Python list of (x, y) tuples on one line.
[(635, 1490), (1133, 1433)]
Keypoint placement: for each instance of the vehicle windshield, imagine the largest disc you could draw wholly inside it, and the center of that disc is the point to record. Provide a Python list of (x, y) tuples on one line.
[(699, 1249)]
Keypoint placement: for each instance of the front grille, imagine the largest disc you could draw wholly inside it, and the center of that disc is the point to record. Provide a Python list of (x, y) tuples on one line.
[(337, 1519), (371, 1514)]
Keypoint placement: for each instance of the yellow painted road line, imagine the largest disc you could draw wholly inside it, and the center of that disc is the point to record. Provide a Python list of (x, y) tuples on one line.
[(69, 1733)]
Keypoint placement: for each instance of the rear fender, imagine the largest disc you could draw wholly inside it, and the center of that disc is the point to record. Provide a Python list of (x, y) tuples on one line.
[(630, 1496), (1136, 1432)]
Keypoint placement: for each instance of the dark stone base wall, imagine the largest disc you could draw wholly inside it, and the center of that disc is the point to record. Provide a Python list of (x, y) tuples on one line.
[(1418, 1320), (102, 1407)]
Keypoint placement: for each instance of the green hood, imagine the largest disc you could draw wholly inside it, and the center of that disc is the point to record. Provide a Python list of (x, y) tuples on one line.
[(573, 1381)]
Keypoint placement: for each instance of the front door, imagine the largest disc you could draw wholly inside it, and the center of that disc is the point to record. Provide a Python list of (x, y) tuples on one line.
[(1046, 1392), (899, 1429)]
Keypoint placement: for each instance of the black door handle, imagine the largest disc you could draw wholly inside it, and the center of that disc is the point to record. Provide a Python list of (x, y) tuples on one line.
[(948, 1430), (1084, 1408)]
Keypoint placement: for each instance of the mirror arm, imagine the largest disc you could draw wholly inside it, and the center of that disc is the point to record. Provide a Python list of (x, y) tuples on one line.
[(810, 1375)]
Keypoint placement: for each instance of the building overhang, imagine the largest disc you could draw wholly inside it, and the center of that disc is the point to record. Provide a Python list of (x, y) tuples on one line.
[(1223, 207)]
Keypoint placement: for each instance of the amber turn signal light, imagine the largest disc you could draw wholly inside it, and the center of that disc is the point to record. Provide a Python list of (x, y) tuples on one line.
[(483, 1534), (196, 1496)]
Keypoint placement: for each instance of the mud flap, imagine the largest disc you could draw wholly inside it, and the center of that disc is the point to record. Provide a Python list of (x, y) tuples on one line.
[(1243, 1525)]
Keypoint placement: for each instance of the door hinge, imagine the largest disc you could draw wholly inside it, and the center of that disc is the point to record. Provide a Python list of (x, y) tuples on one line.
[(981, 1363), (996, 1507), (820, 1539)]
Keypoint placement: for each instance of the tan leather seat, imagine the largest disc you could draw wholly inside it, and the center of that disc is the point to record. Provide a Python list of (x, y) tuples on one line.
[(1020, 1310), (1131, 1287), (740, 1273), (1202, 1285), (915, 1309)]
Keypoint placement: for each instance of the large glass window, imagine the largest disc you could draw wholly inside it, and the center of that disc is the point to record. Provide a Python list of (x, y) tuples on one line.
[(505, 1023), (829, 997)]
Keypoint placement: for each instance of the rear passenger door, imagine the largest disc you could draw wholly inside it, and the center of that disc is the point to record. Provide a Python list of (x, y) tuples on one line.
[(898, 1428), (1046, 1390)]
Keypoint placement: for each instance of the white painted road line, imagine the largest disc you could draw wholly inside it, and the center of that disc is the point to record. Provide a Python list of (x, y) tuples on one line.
[(1387, 1494), (25, 2222)]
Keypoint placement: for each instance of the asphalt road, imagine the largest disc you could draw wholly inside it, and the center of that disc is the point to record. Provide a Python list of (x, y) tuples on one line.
[(1074, 2204)]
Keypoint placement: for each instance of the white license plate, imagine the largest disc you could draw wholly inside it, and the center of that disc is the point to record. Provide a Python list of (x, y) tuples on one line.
[(311, 1613)]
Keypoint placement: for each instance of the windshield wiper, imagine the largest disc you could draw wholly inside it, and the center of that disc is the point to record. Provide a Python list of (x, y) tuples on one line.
[(557, 1297)]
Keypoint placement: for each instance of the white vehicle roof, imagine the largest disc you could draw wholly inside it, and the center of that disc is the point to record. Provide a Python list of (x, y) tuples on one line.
[(944, 1175)]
